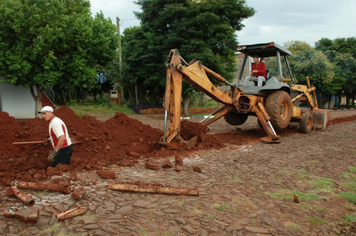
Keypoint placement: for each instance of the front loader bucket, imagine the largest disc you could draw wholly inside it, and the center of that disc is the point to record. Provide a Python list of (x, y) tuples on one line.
[(320, 118)]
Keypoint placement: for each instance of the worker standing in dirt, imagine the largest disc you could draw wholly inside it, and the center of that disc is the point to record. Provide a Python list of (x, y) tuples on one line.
[(59, 137), (258, 71)]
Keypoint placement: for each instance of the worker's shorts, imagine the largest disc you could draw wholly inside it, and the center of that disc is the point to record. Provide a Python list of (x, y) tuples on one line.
[(63, 157)]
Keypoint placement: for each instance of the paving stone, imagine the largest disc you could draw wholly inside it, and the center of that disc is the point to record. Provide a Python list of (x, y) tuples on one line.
[(89, 220), (258, 230), (90, 226), (180, 220), (221, 223), (110, 206), (14, 229), (188, 229), (33, 230), (203, 232), (125, 210), (101, 210), (233, 227), (141, 203)]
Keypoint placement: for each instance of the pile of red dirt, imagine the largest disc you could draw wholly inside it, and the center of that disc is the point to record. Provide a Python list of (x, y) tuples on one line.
[(102, 143)]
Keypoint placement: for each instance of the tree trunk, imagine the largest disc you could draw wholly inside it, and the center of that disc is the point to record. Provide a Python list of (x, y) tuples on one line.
[(329, 102), (339, 102), (186, 102), (136, 94), (37, 98)]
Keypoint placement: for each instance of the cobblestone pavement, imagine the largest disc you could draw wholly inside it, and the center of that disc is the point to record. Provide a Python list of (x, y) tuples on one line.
[(234, 199)]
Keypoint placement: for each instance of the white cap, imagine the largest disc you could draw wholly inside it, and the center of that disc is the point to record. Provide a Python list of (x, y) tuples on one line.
[(46, 109)]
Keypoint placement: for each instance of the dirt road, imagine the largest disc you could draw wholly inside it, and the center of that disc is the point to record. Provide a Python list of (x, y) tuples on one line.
[(303, 186)]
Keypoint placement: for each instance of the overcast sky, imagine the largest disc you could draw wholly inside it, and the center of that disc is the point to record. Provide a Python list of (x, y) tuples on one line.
[(274, 20)]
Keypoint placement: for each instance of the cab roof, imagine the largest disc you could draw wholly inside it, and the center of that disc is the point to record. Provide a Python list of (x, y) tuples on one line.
[(263, 50)]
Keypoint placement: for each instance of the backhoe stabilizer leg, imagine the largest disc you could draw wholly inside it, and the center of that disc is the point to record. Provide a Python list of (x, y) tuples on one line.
[(266, 124)]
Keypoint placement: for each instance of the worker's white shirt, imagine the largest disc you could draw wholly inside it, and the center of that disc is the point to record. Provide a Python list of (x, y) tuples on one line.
[(56, 129)]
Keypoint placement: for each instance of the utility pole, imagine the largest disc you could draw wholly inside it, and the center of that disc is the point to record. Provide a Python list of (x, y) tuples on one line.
[(120, 59)]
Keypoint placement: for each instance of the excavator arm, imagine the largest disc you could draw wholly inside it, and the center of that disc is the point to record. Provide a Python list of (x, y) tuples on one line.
[(196, 74)]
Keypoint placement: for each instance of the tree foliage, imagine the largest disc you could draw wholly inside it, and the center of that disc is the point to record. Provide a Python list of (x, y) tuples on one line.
[(53, 42), (306, 61), (342, 53), (202, 30)]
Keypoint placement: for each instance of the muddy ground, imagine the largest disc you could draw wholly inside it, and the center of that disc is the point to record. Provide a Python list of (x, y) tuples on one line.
[(246, 188)]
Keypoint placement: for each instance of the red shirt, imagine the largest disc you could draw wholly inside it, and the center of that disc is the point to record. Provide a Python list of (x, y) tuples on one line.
[(261, 67)]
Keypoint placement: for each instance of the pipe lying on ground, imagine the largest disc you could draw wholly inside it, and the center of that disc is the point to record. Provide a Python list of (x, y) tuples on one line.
[(71, 213), (28, 215), (42, 186), (13, 191), (153, 189)]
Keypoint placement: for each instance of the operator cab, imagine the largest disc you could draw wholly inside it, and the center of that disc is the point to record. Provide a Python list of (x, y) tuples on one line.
[(270, 54)]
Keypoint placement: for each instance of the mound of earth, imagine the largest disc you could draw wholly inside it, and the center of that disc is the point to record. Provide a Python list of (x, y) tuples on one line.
[(119, 140)]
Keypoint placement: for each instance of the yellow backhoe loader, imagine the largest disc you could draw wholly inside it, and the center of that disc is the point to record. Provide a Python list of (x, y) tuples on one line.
[(272, 102)]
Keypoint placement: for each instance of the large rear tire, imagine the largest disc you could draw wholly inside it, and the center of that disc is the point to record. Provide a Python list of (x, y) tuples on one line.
[(306, 123), (279, 107), (234, 118)]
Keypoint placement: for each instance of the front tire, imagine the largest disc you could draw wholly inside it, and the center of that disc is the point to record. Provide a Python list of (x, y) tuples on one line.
[(279, 107)]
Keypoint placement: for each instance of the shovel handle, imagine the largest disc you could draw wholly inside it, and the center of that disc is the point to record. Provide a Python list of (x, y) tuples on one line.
[(28, 142)]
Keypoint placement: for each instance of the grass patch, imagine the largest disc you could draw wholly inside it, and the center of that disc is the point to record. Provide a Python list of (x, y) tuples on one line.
[(313, 208), (106, 109), (350, 196), (304, 172), (350, 207), (62, 233), (323, 183), (220, 207), (350, 220), (211, 216), (181, 202), (235, 178), (348, 175), (350, 185), (293, 226), (41, 194), (288, 195), (316, 220), (143, 232), (166, 233), (352, 168), (54, 228)]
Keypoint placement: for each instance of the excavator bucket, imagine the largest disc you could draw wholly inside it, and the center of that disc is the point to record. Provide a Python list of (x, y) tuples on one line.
[(320, 118)]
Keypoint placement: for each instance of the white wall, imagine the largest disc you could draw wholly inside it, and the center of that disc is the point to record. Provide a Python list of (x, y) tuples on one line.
[(17, 101)]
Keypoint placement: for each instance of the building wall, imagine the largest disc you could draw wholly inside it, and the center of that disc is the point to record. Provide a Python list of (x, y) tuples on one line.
[(17, 101)]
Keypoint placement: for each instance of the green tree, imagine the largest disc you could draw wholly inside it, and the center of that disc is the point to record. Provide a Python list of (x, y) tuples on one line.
[(51, 43), (202, 30), (306, 61), (342, 53)]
